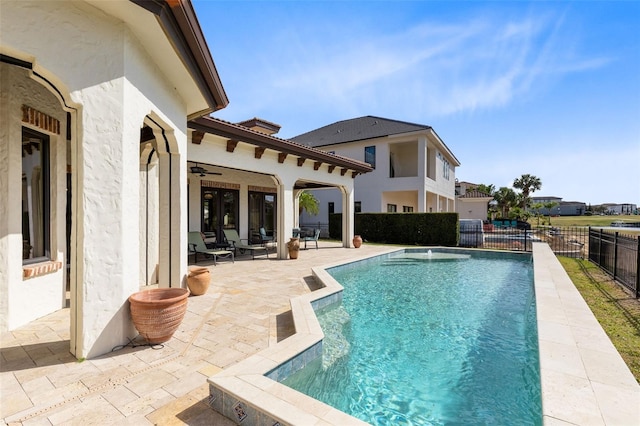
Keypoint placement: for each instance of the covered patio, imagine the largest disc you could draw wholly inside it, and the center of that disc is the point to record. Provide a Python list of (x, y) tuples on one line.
[(245, 179)]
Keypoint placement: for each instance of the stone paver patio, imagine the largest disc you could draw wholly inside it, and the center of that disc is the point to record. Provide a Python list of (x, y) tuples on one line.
[(247, 310)]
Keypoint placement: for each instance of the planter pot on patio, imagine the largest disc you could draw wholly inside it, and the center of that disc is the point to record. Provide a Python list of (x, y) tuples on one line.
[(157, 313), (198, 280), (294, 247)]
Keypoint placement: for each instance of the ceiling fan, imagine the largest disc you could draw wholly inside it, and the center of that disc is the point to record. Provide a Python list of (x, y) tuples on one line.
[(202, 171)]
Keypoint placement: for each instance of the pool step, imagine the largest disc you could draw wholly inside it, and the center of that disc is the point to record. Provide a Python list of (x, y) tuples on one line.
[(335, 345)]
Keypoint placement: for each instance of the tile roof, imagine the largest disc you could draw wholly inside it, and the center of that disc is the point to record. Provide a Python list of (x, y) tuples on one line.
[(239, 132), (356, 129), (475, 194)]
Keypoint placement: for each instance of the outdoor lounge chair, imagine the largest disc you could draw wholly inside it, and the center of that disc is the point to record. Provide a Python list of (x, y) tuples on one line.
[(237, 244), (316, 235), (264, 238), (197, 246)]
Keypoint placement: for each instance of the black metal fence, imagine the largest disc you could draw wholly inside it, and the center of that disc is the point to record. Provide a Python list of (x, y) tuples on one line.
[(564, 241), (617, 254)]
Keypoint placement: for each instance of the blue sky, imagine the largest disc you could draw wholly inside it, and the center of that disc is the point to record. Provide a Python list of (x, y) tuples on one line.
[(548, 88)]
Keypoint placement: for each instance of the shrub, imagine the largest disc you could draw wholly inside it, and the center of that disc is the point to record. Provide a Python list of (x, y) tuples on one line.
[(401, 228)]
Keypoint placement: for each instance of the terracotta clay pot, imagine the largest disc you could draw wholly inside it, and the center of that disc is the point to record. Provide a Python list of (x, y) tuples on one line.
[(357, 241), (294, 247), (157, 313), (198, 280)]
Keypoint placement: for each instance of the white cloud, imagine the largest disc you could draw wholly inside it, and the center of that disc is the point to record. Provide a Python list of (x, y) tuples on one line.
[(482, 63)]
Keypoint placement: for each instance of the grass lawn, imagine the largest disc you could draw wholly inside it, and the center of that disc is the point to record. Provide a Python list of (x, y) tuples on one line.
[(584, 220), (617, 311)]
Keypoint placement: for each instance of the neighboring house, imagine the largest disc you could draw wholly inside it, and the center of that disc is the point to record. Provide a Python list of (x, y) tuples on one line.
[(473, 205), (414, 171), (109, 100), (462, 187), (562, 208), (621, 208)]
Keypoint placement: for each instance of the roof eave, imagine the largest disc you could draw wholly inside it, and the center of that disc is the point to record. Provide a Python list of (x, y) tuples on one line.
[(246, 135), (179, 22)]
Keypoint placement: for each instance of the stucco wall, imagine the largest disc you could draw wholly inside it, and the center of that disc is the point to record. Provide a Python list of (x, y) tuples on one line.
[(26, 300), (472, 209), (112, 87)]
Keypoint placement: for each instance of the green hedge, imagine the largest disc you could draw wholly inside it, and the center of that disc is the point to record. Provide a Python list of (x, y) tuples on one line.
[(422, 229)]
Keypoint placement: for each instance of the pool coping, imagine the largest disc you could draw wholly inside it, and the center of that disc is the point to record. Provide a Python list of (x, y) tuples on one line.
[(583, 378)]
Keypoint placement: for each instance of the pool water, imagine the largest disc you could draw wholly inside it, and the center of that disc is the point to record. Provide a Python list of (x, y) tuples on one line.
[(418, 342)]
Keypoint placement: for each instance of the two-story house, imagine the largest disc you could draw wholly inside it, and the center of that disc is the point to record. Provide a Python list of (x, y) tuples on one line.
[(413, 169)]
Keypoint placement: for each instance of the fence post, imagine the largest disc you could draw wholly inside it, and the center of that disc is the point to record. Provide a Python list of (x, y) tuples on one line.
[(638, 270), (615, 255), (600, 249)]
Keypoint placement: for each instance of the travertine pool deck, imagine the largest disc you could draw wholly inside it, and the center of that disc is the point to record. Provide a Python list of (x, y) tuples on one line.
[(243, 316)]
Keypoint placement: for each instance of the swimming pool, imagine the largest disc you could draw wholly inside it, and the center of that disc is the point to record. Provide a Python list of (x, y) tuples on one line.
[(418, 341)]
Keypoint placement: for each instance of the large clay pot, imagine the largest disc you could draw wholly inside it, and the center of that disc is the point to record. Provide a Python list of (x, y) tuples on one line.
[(198, 280), (294, 247), (357, 241), (157, 313)]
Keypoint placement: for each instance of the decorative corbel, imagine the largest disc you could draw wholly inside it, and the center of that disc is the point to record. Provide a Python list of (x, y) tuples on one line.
[(331, 168), (301, 161), (317, 165), (231, 145), (259, 151), (196, 137), (281, 157)]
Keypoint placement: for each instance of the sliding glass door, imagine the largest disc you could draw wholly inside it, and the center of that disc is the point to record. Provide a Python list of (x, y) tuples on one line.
[(262, 214), (219, 211)]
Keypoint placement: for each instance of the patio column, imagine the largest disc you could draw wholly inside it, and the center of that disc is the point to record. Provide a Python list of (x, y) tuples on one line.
[(347, 215), (106, 231), (422, 174), (172, 264), (287, 214)]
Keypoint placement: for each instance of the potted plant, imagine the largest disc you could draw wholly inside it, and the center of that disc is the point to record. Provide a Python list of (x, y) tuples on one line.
[(294, 247)]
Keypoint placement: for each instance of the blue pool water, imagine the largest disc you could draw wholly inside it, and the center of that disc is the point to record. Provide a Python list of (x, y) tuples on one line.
[(420, 342)]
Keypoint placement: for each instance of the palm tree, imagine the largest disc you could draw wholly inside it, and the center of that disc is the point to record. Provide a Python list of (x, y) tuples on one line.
[(308, 202), (486, 189), (536, 208), (549, 205), (527, 184), (506, 198)]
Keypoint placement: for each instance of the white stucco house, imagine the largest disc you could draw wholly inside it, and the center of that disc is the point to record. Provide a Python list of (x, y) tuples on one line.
[(103, 104), (414, 170), (471, 203)]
